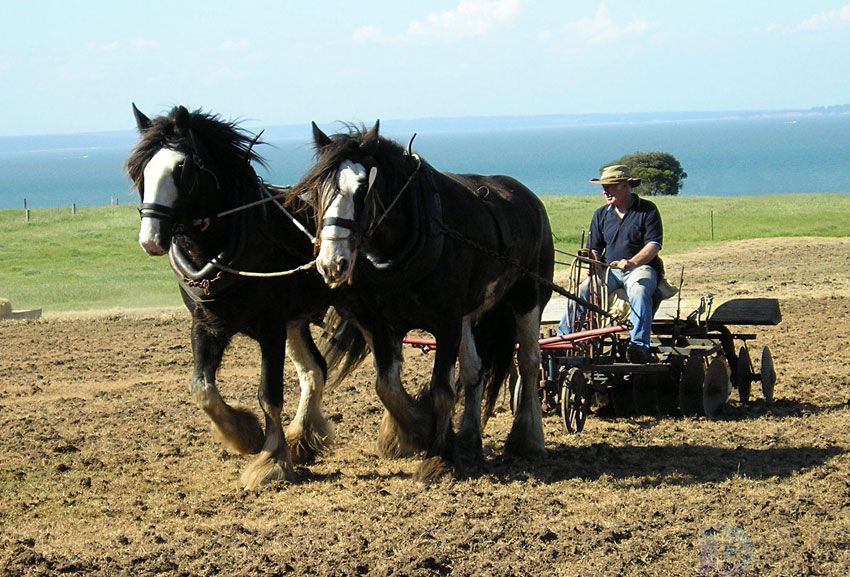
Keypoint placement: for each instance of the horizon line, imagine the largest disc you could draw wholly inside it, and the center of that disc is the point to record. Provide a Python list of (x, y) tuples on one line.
[(839, 109)]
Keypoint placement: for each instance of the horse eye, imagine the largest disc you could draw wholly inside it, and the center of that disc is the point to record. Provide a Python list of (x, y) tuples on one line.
[(177, 173)]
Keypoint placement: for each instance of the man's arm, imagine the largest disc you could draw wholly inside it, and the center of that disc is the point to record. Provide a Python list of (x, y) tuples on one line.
[(644, 256)]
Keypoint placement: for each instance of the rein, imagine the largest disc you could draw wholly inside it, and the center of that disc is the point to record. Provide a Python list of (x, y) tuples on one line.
[(451, 233), (203, 223), (387, 210), (167, 213), (269, 198)]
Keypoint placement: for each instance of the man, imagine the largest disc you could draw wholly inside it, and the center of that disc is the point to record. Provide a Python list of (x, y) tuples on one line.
[(626, 234)]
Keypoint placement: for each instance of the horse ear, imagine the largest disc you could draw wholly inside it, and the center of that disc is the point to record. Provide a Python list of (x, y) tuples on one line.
[(142, 121), (370, 139), (320, 139), (182, 119)]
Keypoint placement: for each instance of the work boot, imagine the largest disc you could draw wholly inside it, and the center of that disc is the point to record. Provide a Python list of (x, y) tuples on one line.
[(638, 355)]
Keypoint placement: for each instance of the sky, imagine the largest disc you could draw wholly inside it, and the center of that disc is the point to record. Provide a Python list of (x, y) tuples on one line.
[(69, 66)]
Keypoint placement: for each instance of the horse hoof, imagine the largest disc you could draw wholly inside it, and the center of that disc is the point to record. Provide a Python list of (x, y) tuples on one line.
[(469, 469), (516, 447), (431, 469), (267, 469), (393, 443), (301, 450), (307, 443), (468, 455), (239, 429)]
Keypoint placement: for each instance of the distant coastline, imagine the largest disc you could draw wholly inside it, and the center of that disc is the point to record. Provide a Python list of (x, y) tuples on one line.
[(724, 153), (435, 124)]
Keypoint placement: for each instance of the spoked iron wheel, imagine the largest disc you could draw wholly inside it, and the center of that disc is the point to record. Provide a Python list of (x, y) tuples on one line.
[(574, 399), (744, 375)]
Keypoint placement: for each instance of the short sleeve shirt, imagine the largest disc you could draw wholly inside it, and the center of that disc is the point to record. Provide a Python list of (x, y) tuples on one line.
[(615, 238)]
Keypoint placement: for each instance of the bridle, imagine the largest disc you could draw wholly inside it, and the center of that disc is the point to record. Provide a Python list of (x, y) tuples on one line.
[(190, 169), (361, 229)]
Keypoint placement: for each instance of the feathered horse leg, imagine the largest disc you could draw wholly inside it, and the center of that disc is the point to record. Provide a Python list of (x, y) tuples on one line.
[(407, 426), (468, 451), (526, 436), (310, 433), (274, 461), (440, 455), (236, 427)]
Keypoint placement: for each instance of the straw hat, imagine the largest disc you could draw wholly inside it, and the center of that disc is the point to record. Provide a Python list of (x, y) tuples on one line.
[(616, 174)]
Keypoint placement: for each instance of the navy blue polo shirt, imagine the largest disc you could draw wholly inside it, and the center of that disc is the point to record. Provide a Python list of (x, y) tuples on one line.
[(615, 238)]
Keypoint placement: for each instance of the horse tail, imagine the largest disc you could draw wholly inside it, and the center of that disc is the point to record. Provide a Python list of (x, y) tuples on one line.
[(495, 339), (342, 345)]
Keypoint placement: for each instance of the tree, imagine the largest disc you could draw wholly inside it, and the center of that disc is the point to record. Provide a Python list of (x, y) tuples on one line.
[(660, 172)]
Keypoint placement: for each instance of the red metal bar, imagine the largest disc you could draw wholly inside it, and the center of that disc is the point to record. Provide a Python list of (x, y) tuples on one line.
[(429, 344), (562, 342), (585, 335)]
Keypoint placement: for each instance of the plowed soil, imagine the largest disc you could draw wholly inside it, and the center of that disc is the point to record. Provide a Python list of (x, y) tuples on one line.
[(108, 468)]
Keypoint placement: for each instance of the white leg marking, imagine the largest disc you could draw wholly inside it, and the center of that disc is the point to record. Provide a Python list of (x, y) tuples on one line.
[(470, 379)]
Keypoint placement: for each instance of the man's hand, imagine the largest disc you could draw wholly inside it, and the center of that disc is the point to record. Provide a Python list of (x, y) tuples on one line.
[(624, 264)]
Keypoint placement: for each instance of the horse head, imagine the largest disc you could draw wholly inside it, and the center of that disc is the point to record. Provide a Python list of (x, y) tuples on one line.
[(183, 168), (356, 176)]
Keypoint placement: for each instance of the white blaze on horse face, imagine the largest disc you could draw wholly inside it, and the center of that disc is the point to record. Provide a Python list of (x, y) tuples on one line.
[(160, 188), (336, 253)]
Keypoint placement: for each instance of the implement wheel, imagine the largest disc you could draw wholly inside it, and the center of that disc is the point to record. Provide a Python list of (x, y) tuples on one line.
[(667, 392), (621, 396), (690, 385), (715, 390), (645, 393), (744, 375), (768, 374), (574, 399)]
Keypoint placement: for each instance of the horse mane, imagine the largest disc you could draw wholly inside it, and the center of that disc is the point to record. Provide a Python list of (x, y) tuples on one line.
[(390, 157), (229, 146)]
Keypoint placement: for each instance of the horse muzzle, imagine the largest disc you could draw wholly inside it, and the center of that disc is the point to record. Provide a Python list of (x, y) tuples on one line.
[(155, 231), (337, 269), (155, 236)]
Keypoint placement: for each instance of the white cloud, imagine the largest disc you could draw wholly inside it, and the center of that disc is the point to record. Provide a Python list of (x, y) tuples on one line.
[(469, 19), (602, 29), (827, 20)]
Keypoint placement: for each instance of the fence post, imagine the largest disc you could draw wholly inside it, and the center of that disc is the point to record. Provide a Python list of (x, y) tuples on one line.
[(73, 208), (27, 215)]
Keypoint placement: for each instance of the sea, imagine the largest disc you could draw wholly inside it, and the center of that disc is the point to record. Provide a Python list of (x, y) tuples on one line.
[(734, 156)]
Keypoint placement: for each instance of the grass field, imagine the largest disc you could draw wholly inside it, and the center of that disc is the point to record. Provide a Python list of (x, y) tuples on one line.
[(91, 260)]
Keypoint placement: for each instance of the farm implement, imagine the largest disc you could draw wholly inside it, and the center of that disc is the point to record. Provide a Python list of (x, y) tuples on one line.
[(697, 359)]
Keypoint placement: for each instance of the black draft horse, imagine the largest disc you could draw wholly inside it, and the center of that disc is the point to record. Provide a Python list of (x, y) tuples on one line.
[(458, 255), (189, 167)]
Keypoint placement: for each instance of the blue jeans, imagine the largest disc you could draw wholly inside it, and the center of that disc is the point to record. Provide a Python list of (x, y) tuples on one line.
[(640, 284)]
